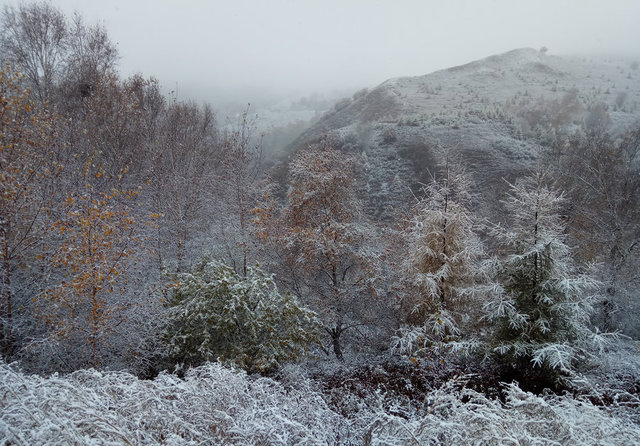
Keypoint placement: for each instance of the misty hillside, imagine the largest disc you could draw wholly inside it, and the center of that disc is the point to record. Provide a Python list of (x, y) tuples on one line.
[(496, 113), (446, 259)]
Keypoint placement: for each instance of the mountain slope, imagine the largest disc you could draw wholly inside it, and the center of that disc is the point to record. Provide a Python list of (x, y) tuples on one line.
[(495, 114)]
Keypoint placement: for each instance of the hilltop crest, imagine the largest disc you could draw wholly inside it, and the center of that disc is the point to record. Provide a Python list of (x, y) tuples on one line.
[(495, 113)]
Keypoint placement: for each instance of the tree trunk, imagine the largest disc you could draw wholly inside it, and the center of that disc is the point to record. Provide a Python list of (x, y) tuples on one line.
[(335, 334), (6, 316), (243, 233), (95, 321), (179, 253)]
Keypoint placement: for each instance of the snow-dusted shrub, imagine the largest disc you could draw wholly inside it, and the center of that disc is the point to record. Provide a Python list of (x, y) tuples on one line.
[(215, 313), (542, 317), (389, 135), (212, 405), (461, 416), (614, 381)]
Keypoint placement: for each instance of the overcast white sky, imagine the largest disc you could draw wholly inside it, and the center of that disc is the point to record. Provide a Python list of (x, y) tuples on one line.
[(300, 46)]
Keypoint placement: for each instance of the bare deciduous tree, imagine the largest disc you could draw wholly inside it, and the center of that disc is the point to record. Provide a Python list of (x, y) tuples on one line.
[(601, 179), (238, 190), (183, 170), (34, 41)]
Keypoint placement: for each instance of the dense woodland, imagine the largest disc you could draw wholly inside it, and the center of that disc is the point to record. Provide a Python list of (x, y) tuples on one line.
[(140, 235)]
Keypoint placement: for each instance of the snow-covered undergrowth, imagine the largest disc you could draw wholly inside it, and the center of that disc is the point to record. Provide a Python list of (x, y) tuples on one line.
[(216, 405), (212, 405), (465, 417)]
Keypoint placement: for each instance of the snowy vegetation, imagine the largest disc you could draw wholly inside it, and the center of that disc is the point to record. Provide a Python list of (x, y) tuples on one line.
[(443, 268), (398, 301), (212, 404), (216, 314), (542, 315), (216, 405)]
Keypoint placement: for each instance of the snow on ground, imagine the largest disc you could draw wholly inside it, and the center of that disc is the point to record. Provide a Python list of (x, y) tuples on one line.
[(212, 405), (216, 405)]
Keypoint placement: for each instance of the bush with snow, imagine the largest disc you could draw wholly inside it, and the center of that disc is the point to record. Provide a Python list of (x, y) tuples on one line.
[(215, 313), (461, 416), (212, 405)]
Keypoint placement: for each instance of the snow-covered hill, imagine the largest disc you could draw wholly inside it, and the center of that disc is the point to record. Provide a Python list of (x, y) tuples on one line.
[(495, 113)]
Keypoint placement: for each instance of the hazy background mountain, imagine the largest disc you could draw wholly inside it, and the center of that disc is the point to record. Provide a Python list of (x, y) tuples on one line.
[(496, 115), (262, 52)]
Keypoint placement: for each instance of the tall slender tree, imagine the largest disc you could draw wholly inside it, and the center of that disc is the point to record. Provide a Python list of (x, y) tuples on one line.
[(184, 157), (238, 190), (442, 266), (542, 316), (97, 239), (321, 237)]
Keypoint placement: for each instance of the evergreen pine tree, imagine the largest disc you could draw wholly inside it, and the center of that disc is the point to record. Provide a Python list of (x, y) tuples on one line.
[(541, 317), (442, 267)]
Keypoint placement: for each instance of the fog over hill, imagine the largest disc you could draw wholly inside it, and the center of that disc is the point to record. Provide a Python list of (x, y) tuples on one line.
[(496, 114), (196, 248)]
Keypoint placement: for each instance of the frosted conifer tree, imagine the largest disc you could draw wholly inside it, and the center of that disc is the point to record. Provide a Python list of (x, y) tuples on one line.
[(442, 267), (542, 315)]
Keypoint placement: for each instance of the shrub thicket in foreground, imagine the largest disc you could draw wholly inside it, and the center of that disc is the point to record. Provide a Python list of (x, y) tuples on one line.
[(216, 405)]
